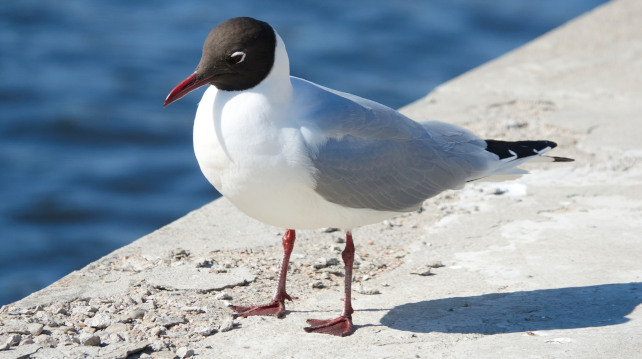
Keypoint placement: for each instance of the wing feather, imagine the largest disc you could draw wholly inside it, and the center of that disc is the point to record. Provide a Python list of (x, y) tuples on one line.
[(373, 157)]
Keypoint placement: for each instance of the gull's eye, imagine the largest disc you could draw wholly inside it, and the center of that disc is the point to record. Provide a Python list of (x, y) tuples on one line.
[(237, 57)]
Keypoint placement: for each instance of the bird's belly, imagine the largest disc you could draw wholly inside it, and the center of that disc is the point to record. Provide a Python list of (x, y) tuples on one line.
[(269, 189), (283, 202)]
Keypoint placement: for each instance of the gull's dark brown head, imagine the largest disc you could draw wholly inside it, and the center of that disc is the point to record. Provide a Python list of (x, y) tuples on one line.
[(237, 55)]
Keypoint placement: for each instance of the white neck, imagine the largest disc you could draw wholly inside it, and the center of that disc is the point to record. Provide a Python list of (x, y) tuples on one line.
[(277, 86)]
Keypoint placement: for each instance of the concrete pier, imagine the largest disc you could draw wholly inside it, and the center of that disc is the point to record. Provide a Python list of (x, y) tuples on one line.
[(549, 265)]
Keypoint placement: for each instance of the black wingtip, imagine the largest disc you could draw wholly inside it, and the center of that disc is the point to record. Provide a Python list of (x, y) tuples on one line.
[(562, 159), (518, 149)]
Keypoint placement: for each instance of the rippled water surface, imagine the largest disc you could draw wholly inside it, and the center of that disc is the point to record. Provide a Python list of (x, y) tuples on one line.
[(90, 160)]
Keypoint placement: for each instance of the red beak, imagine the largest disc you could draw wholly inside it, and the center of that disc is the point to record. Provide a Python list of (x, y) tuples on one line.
[(186, 86)]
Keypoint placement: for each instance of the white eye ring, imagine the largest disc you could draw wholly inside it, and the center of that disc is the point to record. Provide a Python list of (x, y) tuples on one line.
[(235, 55)]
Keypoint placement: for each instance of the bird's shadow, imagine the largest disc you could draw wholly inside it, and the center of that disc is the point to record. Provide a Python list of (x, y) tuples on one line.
[(545, 309)]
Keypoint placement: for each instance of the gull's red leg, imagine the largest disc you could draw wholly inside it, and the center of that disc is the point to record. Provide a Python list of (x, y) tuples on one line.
[(342, 325), (277, 306)]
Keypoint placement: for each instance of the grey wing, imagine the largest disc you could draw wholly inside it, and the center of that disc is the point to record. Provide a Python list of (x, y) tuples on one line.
[(377, 158), (385, 176)]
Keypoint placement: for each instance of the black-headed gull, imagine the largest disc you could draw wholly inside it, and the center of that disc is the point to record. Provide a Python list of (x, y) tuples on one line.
[(297, 155)]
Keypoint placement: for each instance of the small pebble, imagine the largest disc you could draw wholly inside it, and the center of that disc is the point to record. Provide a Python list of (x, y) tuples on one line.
[(169, 321), (205, 331), (159, 345), (59, 309), (82, 310), (325, 262), (114, 338), (422, 271), (227, 325), (100, 321), (178, 254), (136, 313), (156, 331), (26, 341), (203, 263), (13, 340), (183, 352), (91, 340), (118, 328), (367, 291), (391, 224), (332, 261), (223, 296), (321, 263), (46, 341)]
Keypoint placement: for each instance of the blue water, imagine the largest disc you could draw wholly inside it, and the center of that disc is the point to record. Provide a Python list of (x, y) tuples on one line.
[(90, 160)]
